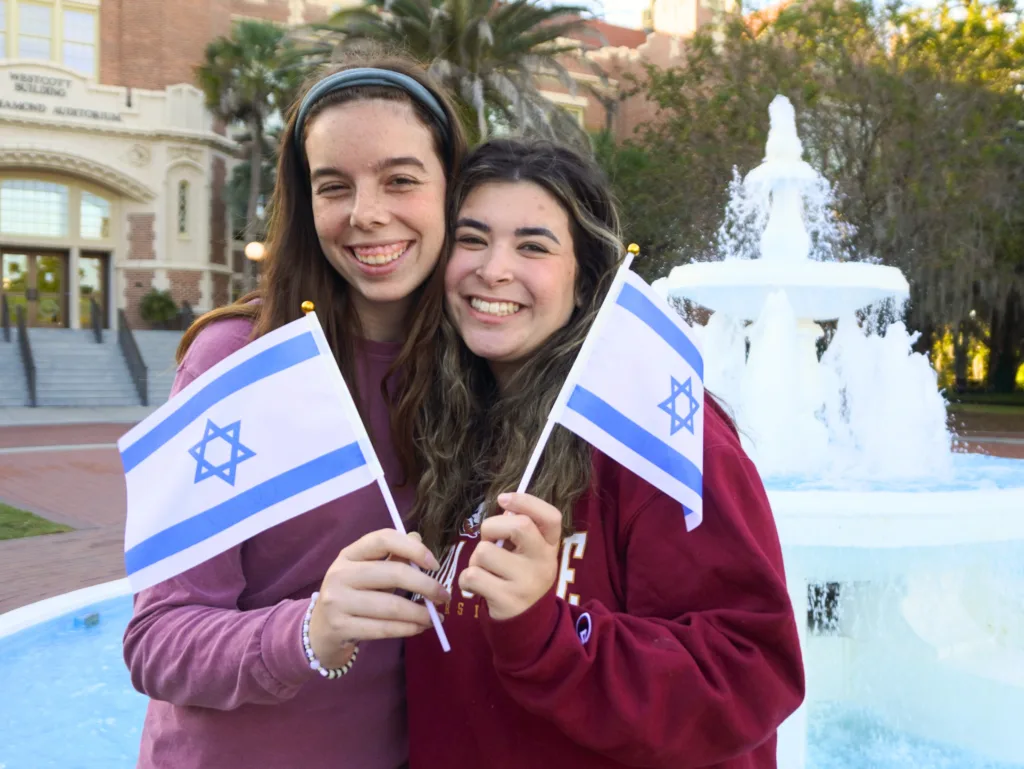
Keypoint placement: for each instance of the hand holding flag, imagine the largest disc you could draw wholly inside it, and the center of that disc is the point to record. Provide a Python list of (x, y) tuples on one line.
[(231, 455)]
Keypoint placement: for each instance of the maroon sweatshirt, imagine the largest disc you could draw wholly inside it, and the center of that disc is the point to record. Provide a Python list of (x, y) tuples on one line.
[(656, 647), (218, 649)]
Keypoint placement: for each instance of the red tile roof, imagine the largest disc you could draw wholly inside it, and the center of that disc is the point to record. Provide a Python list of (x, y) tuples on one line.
[(598, 34)]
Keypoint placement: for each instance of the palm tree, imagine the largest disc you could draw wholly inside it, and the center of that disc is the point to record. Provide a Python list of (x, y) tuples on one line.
[(247, 78), (487, 53)]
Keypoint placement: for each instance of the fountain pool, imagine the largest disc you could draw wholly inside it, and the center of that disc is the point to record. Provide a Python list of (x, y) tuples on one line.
[(69, 702)]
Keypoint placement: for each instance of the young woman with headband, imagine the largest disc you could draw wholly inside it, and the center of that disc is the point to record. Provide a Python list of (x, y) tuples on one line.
[(286, 651)]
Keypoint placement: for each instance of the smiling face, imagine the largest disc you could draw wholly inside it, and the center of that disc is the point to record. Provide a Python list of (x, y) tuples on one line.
[(378, 191), (510, 282)]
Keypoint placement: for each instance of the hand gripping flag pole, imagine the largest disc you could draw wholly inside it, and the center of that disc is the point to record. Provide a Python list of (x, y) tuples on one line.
[(378, 472)]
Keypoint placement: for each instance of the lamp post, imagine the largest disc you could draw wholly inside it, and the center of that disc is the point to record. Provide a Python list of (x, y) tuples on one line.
[(255, 252)]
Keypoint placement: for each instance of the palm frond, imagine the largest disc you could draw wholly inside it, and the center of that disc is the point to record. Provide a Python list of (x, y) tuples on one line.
[(487, 53)]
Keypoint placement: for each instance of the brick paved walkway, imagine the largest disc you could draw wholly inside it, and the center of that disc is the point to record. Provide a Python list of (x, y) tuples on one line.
[(84, 488), (59, 435)]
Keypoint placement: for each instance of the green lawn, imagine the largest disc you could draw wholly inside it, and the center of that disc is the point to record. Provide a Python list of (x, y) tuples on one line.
[(15, 523), (987, 408)]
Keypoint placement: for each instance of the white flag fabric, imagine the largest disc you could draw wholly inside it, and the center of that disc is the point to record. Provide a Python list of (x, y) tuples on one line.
[(266, 434), (636, 392)]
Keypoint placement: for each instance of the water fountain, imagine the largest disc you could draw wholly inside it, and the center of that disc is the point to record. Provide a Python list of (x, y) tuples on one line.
[(925, 545)]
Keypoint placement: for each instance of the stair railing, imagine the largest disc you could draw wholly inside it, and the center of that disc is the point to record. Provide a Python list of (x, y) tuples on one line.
[(186, 316), (96, 316), (26, 355), (5, 310), (133, 357)]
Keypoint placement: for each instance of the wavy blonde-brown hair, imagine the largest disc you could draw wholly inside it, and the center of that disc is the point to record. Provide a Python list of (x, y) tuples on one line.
[(296, 270), (474, 444)]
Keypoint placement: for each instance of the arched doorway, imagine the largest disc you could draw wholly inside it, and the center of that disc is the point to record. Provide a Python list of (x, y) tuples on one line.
[(57, 238)]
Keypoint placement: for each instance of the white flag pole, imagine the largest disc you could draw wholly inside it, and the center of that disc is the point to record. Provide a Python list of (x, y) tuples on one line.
[(577, 366), (435, 618), (352, 413)]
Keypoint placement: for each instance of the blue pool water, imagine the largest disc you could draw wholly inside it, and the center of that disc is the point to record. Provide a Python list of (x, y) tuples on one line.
[(843, 738), (66, 697), (66, 703)]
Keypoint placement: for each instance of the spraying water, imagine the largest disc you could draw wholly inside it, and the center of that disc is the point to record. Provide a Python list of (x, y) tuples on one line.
[(870, 406)]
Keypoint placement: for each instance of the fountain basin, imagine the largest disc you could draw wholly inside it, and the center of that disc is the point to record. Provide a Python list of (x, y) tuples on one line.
[(928, 633), (816, 290), (71, 703), (888, 520)]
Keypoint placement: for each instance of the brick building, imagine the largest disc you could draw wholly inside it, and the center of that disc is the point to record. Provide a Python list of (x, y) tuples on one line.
[(606, 53), (112, 172)]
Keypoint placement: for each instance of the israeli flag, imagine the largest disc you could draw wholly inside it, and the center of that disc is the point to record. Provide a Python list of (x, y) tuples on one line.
[(265, 435), (636, 392)]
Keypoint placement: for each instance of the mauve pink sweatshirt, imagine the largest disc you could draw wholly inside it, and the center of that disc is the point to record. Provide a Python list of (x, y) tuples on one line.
[(219, 650)]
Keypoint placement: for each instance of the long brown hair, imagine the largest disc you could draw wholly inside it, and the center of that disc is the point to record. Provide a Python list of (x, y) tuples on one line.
[(295, 268), (474, 443)]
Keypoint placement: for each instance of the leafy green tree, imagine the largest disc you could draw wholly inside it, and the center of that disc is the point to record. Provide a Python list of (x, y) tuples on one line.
[(247, 78), (915, 114)]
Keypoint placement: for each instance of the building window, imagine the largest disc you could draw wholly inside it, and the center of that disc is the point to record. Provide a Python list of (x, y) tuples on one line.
[(95, 217), (29, 207), (79, 41), (575, 111), (59, 30), (35, 31), (3, 29), (183, 208)]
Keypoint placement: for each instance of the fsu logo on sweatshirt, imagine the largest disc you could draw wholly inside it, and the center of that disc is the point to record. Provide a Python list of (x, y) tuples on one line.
[(471, 526), (572, 551)]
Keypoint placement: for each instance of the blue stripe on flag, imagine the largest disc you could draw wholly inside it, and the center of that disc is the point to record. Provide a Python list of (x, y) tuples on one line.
[(267, 363), (653, 316), (633, 436), (204, 525)]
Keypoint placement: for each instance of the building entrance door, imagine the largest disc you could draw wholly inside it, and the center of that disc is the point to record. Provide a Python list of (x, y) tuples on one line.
[(93, 282), (38, 281)]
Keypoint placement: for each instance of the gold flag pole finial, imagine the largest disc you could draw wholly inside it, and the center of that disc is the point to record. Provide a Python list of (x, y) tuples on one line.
[(308, 307), (633, 248)]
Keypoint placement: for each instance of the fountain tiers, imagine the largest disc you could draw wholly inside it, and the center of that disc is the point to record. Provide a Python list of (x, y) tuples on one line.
[(816, 291), (868, 539)]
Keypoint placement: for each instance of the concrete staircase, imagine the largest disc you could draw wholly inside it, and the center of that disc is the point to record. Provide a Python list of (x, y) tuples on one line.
[(157, 348), (73, 370), (13, 388)]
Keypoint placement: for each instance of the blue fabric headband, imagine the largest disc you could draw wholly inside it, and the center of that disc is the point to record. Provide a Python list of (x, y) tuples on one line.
[(350, 78)]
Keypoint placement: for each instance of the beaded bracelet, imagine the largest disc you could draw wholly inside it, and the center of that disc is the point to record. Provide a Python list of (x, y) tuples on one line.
[(314, 663)]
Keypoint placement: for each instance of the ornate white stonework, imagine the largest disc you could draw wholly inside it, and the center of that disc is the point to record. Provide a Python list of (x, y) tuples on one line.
[(63, 162), (138, 155), (191, 153)]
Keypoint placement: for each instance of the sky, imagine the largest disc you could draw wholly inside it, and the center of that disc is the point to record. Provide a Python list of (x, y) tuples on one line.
[(625, 13), (629, 13)]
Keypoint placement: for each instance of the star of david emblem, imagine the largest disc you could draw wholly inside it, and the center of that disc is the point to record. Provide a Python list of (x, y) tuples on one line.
[(669, 406), (205, 467)]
